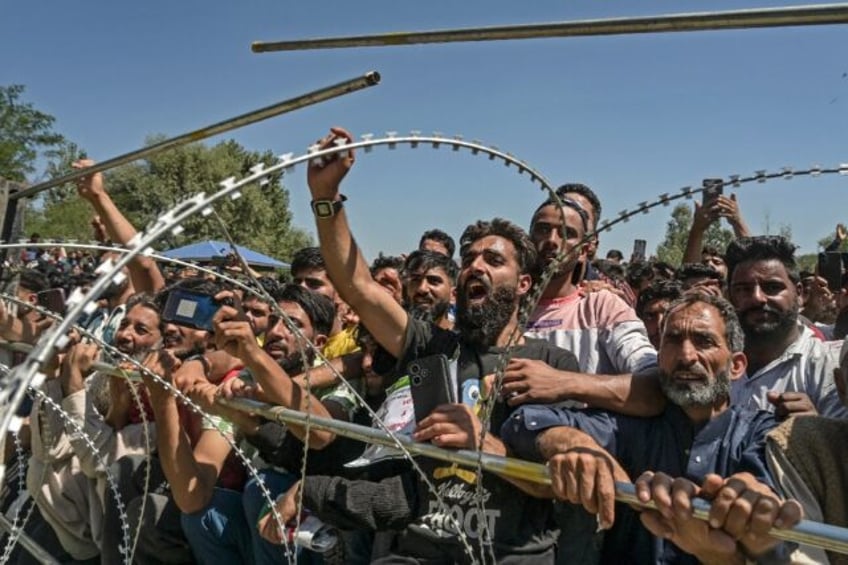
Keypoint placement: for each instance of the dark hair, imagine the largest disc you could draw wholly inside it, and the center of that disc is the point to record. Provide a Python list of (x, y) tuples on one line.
[(613, 271), (586, 193), (762, 248), (733, 334), (692, 270), (639, 272), (615, 254), (711, 250), (564, 200), (319, 309), (33, 281), (662, 289), (386, 262), (424, 260), (145, 299), (663, 270), (200, 285), (307, 258), (441, 237), (525, 251)]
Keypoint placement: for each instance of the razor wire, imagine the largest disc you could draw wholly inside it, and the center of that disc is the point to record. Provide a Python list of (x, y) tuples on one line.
[(110, 271), (170, 221), (184, 399)]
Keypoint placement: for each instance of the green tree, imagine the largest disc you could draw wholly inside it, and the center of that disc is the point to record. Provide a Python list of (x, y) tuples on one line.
[(828, 239), (260, 219), (24, 132), (673, 247)]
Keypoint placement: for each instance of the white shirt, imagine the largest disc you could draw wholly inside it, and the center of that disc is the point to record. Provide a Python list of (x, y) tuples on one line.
[(805, 366)]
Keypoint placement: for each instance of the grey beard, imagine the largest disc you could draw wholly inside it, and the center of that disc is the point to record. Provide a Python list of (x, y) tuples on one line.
[(698, 394)]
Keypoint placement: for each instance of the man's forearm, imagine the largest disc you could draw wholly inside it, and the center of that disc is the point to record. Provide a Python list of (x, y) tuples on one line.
[(349, 366), (191, 492), (634, 395), (145, 274), (278, 387), (694, 245)]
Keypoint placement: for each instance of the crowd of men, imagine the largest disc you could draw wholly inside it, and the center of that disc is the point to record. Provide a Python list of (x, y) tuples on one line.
[(723, 378)]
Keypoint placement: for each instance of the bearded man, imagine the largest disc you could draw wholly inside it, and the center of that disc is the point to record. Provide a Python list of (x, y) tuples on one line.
[(701, 445), (790, 371), (496, 259)]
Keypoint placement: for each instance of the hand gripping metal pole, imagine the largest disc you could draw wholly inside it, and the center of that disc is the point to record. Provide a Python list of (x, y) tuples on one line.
[(736, 19), (829, 537), (368, 79)]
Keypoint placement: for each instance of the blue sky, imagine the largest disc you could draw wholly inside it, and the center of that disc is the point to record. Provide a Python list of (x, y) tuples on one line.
[(632, 116)]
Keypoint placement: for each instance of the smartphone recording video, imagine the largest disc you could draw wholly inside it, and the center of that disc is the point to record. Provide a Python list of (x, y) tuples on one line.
[(191, 309), (713, 188)]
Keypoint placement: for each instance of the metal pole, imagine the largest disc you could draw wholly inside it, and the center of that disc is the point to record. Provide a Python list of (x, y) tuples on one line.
[(368, 79), (829, 537), (826, 536), (820, 14), (36, 550)]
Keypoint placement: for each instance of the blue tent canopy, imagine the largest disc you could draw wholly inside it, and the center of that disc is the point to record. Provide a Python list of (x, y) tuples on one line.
[(218, 251)]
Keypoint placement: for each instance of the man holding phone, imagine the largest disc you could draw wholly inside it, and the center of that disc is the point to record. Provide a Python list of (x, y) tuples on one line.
[(714, 206)]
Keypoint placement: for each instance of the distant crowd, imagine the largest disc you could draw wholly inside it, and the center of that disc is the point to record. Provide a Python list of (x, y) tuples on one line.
[(723, 378)]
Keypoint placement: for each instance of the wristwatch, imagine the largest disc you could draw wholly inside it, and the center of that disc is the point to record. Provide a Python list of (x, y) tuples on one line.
[(328, 208)]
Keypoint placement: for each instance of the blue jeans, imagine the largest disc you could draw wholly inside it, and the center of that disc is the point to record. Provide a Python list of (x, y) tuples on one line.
[(219, 533)]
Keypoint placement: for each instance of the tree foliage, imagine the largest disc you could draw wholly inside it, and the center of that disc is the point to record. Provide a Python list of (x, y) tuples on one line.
[(673, 247), (259, 219), (24, 132)]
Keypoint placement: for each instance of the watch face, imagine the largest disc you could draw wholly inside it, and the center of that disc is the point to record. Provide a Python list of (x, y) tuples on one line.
[(323, 209)]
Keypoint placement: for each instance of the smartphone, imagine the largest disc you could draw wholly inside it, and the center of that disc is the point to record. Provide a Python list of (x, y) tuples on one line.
[(713, 188), (830, 268), (192, 309), (53, 299), (640, 247), (430, 384)]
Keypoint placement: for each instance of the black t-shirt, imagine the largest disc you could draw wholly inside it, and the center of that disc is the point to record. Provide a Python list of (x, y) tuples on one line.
[(521, 524)]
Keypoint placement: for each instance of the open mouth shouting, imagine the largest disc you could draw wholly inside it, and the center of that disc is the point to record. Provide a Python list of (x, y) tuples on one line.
[(477, 290)]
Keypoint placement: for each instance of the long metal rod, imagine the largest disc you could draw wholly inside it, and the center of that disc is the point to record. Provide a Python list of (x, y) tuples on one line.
[(826, 536), (817, 534), (368, 79), (29, 544), (819, 14)]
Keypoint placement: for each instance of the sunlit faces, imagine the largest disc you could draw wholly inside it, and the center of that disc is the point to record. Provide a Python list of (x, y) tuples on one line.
[(184, 341), (489, 289), (546, 233), (716, 262), (765, 299), (695, 361), (433, 245), (389, 279), (138, 331), (256, 311), (284, 346), (429, 290), (315, 280), (652, 316)]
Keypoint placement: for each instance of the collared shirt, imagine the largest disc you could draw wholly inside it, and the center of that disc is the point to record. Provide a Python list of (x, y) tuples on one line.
[(805, 366), (599, 328), (732, 442)]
